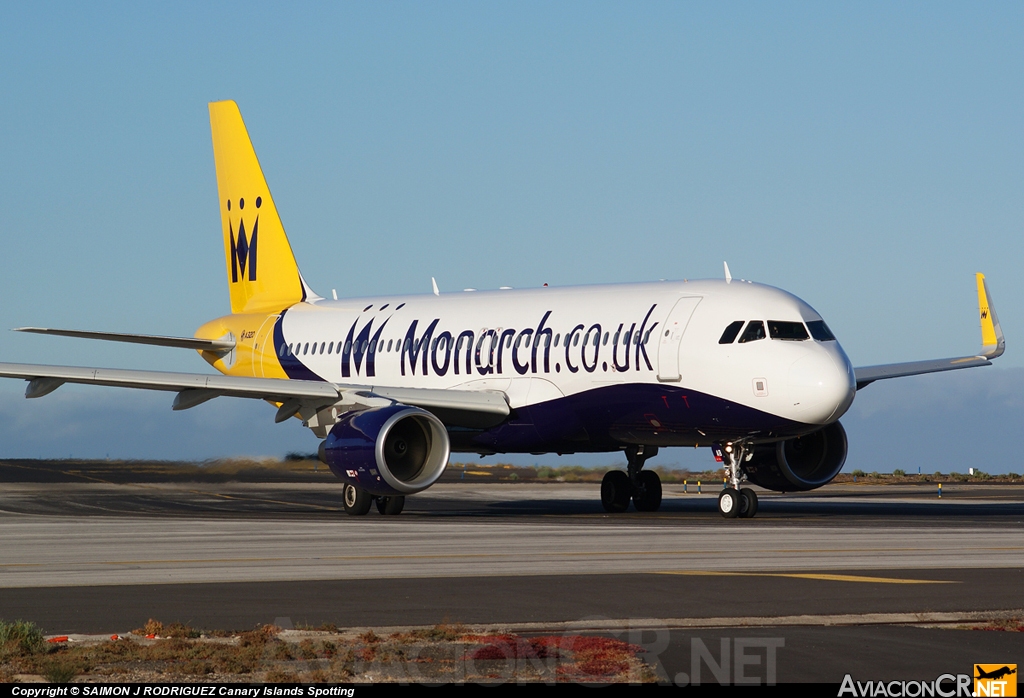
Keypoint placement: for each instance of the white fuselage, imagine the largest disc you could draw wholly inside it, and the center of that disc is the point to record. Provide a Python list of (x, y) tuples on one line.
[(540, 345)]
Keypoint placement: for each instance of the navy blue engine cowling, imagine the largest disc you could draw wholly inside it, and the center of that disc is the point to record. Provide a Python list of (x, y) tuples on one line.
[(800, 464), (394, 450)]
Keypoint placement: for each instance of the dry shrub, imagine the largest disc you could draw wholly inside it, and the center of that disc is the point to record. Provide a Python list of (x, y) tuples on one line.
[(180, 630), (59, 672), (282, 651), (514, 647), (604, 667), (280, 676), (195, 668), (259, 637), (307, 650), (152, 627)]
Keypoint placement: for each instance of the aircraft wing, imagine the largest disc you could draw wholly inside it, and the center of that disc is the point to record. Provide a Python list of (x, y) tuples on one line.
[(305, 398), (992, 346)]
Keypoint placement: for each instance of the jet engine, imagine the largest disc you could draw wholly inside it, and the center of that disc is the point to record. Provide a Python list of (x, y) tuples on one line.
[(387, 451), (804, 463)]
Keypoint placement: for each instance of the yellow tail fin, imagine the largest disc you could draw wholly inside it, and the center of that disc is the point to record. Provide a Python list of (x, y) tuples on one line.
[(262, 273)]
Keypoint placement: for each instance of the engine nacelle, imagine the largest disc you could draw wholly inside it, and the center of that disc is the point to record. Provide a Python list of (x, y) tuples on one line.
[(800, 464), (394, 450)]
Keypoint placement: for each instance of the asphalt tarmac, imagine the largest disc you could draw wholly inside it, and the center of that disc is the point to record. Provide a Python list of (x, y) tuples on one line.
[(834, 574)]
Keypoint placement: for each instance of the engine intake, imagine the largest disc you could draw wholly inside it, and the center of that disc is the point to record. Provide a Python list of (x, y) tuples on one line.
[(804, 463), (394, 450)]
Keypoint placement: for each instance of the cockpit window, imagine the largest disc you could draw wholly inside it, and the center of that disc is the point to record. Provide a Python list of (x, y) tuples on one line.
[(820, 331), (729, 336), (754, 331), (793, 331)]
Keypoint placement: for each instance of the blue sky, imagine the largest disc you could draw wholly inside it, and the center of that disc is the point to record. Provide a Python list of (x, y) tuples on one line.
[(865, 156)]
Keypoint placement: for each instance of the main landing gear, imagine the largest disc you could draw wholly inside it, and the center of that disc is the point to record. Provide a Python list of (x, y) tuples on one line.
[(642, 486), (735, 501), (358, 502)]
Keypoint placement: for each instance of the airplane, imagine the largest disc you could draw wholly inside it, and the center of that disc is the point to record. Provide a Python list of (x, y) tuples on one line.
[(393, 385), (995, 673)]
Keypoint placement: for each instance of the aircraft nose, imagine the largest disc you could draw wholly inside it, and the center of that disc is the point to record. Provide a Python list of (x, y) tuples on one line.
[(822, 385)]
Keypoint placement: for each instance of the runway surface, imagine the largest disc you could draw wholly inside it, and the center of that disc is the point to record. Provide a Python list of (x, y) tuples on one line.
[(101, 556)]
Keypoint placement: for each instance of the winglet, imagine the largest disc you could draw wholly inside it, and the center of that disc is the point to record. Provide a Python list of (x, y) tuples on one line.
[(728, 274), (992, 342), (433, 284)]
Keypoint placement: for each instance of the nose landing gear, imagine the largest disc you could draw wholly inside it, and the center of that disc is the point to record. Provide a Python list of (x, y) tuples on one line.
[(735, 501), (642, 486)]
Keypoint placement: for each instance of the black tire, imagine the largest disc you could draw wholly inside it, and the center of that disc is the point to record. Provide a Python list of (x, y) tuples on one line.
[(748, 503), (390, 506), (357, 501), (616, 491), (647, 496), (729, 503)]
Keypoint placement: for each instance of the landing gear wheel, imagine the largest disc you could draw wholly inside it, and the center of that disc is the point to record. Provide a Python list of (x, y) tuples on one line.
[(647, 496), (357, 501), (729, 503), (390, 506), (748, 503), (615, 491)]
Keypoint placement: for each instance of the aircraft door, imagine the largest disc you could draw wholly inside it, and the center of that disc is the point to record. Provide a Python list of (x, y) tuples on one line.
[(264, 361), (671, 338)]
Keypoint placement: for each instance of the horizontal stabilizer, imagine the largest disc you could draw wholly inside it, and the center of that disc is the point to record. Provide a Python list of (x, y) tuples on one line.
[(217, 346)]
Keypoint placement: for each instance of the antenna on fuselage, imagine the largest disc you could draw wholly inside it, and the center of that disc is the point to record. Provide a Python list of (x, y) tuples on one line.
[(728, 274), (433, 283)]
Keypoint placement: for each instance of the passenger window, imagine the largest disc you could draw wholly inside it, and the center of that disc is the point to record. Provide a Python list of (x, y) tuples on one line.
[(793, 331), (729, 336), (754, 332), (820, 331)]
